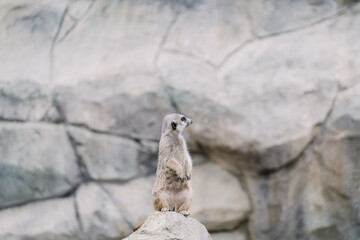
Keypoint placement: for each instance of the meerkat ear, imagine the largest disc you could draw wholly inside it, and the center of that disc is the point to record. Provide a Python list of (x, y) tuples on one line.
[(173, 125)]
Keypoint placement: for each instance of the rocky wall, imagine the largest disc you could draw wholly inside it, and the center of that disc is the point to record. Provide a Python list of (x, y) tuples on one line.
[(272, 86)]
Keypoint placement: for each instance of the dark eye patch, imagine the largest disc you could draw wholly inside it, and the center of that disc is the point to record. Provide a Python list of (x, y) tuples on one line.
[(183, 119)]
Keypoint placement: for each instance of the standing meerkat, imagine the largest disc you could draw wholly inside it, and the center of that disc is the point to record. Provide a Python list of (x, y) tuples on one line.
[(172, 190)]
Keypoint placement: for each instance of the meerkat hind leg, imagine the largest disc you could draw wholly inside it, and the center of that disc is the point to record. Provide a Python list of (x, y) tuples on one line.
[(165, 209), (185, 199), (164, 199)]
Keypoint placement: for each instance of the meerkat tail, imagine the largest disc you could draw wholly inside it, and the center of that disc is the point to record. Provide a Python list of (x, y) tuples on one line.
[(139, 226)]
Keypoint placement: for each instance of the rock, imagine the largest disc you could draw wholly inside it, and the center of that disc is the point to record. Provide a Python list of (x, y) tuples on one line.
[(234, 235), (137, 204), (170, 225), (36, 25), (230, 29), (109, 157), (113, 210), (148, 157), (335, 208), (345, 118), (50, 219), (267, 20), (131, 105), (100, 216), (225, 213), (117, 48), (267, 79), (37, 161), (310, 200), (26, 101), (278, 208)]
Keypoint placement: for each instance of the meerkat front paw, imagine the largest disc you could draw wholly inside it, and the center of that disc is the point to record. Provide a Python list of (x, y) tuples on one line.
[(185, 213), (165, 209)]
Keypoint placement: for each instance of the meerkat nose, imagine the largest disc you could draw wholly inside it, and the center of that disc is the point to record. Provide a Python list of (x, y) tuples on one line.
[(190, 121)]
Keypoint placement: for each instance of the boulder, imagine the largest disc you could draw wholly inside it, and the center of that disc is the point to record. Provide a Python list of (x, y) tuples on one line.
[(126, 105), (37, 161), (256, 91), (170, 225), (239, 234), (230, 29), (117, 48), (109, 157), (266, 20), (134, 199), (36, 25), (314, 199), (99, 214), (26, 101), (50, 219), (218, 213)]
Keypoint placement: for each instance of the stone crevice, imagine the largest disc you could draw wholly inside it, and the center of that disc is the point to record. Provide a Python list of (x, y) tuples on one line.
[(316, 132), (53, 43), (129, 137), (84, 175), (119, 206), (232, 53), (166, 34), (174, 51), (76, 21), (341, 12), (58, 196), (77, 215)]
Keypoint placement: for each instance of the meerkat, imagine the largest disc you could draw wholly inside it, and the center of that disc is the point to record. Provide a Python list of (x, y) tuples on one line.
[(172, 190)]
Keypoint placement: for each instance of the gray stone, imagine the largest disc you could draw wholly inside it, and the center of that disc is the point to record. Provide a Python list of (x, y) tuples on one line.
[(278, 207), (219, 201), (345, 118), (270, 17), (131, 105), (312, 200), (107, 157), (26, 101), (28, 32), (230, 29), (233, 235), (267, 79), (100, 216), (245, 104), (111, 211), (170, 225), (117, 48), (137, 204), (37, 161), (51, 219)]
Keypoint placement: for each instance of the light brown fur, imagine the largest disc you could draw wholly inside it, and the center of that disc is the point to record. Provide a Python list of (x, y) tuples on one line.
[(172, 190)]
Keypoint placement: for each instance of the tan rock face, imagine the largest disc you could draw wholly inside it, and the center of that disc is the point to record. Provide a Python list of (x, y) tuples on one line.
[(272, 86)]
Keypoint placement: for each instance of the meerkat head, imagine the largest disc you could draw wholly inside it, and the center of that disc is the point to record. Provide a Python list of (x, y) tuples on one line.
[(175, 122)]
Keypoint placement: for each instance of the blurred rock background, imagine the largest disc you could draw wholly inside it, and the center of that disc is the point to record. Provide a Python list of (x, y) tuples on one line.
[(272, 85)]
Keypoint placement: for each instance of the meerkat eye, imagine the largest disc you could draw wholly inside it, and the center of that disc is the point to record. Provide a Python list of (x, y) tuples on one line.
[(183, 119)]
